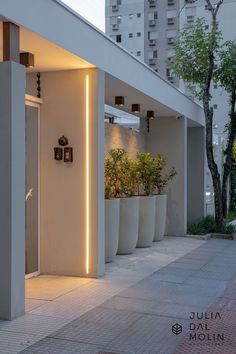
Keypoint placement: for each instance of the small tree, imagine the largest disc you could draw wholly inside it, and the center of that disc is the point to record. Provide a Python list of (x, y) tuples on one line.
[(226, 74), (196, 55), (121, 176), (161, 180), (114, 173), (130, 179), (145, 169)]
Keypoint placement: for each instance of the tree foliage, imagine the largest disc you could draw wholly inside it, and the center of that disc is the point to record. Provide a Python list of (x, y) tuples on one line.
[(191, 59), (201, 59)]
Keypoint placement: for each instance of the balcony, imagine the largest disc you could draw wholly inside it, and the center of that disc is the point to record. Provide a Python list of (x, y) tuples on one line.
[(152, 23), (170, 41), (152, 3), (115, 8), (152, 42), (171, 79), (171, 21), (152, 61), (115, 27)]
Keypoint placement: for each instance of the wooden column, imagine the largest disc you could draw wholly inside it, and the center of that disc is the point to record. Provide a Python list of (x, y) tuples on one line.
[(11, 42)]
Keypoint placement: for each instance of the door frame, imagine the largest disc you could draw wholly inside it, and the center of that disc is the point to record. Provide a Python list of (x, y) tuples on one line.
[(33, 101)]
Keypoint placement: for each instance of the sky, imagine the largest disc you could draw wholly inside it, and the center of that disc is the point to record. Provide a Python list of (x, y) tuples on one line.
[(92, 10)]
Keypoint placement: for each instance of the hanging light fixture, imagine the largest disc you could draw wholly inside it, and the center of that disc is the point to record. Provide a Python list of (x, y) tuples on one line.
[(148, 124), (150, 115), (136, 108), (119, 101), (27, 59)]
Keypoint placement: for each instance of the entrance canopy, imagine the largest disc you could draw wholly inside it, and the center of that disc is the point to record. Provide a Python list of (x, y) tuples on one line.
[(60, 39)]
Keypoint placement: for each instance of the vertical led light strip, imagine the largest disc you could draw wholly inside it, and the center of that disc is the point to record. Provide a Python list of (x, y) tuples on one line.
[(87, 159)]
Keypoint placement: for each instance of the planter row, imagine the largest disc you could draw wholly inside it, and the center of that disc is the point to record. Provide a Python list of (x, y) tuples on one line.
[(133, 222)]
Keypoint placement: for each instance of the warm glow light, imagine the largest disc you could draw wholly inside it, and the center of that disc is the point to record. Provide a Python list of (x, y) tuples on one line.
[(87, 159)]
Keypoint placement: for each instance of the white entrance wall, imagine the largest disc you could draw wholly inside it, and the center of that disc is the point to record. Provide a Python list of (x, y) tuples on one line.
[(67, 246), (117, 136), (12, 190), (168, 137)]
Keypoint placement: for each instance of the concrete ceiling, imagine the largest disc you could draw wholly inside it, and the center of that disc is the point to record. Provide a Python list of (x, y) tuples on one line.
[(115, 87), (48, 56)]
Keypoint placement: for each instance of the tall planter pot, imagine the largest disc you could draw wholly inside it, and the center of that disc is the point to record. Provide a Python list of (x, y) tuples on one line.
[(147, 213), (112, 217), (129, 217), (161, 210)]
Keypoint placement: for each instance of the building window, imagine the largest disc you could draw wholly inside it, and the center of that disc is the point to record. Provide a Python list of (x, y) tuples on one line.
[(130, 16), (138, 53), (171, 2), (206, 27), (119, 2), (118, 38), (155, 54), (171, 21), (152, 35), (118, 19), (215, 106), (215, 86), (139, 15), (130, 35), (155, 16), (168, 72), (138, 34)]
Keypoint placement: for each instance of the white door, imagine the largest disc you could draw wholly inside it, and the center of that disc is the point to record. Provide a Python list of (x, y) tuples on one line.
[(32, 189)]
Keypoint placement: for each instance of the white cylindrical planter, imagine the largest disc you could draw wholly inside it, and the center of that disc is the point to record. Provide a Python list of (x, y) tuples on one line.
[(147, 213), (128, 234), (112, 219), (161, 210)]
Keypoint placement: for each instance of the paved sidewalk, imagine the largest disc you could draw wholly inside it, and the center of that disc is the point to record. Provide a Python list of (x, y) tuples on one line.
[(139, 319), (53, 301)]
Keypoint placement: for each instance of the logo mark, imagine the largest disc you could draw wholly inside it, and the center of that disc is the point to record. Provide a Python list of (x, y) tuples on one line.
[(177, 329)]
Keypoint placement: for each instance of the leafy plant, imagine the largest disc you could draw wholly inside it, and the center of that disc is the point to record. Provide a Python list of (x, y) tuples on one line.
[(114, 173), (207, 225), (202, 226), (120, 174), (130, 180), (162, 180), (230, 229), (231, 215), (146, 170)]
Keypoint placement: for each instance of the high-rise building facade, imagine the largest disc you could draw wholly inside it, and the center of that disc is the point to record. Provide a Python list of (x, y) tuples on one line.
[(148, 28)]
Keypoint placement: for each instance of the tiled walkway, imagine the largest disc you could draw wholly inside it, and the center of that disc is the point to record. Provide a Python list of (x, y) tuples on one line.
[(132, 310), (139, 319), (52, 302)]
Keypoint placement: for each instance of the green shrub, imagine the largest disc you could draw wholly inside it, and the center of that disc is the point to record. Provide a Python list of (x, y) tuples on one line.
[(230, 229), (202, 226), (146, 169), (207, 225), (231, 215), (121, 177), (161, 180)]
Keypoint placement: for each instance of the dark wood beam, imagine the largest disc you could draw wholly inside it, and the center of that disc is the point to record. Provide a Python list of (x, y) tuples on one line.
[(11, 42)]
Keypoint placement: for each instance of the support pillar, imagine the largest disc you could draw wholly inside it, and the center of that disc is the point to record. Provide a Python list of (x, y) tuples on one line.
[(12, 190), (196, 173), (72, 194), (168, 137), (11, 42)]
